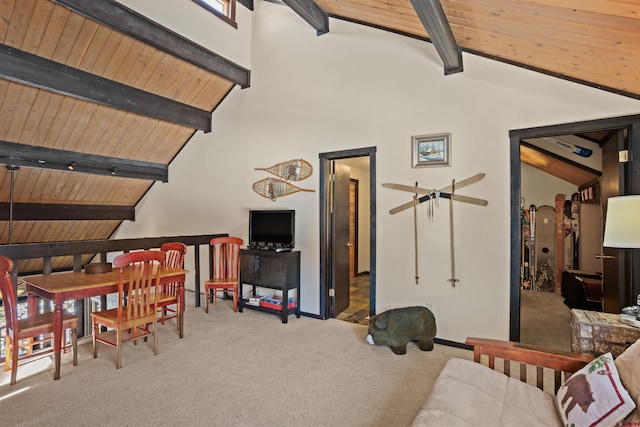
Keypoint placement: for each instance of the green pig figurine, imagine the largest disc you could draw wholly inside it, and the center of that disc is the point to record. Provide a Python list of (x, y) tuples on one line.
[(395, 328)]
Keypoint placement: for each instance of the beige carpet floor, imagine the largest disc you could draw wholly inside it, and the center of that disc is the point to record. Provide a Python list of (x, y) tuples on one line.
[(545, 320), (231, 369)]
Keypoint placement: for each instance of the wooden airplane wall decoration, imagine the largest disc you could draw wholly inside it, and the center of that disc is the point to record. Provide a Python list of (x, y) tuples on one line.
[(448, 192)]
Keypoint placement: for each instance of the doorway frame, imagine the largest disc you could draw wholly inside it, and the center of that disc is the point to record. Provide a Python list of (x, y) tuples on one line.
[(632, 186), (356, 185), (325, 228)]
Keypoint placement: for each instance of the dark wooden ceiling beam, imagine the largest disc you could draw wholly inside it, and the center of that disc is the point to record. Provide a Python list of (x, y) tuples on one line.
[(13, 154), (435, 23), (65, 212), (312, 13), (26, 68), (131, 23)]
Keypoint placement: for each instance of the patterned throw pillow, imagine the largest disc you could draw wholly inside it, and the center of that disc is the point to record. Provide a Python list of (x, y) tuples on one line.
[(594, 396)]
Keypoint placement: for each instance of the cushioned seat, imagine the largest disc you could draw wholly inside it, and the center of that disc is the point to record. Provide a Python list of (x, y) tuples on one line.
[(470, 394), (595, 392)]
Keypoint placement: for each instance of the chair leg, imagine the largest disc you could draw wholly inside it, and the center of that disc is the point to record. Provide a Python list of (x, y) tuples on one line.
[(11, 353), (95, 341), (215, 295), (155, 339), (7, 355), (235, 300), (135, 334), (206, 297), (119, 349), (14, 362), (74, 346)]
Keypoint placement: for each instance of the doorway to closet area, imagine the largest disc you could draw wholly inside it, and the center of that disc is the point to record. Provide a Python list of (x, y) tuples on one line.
[(347, 224), (562, 177)]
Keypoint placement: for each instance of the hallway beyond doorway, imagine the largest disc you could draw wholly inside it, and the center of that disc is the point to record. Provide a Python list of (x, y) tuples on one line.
[(330, 240), (358, 309)]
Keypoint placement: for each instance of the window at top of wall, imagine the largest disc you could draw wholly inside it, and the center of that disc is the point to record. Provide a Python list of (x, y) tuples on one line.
[(223, 9)]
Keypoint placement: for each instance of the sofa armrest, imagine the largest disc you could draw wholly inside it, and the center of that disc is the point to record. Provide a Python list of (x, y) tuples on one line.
[(558, 362)]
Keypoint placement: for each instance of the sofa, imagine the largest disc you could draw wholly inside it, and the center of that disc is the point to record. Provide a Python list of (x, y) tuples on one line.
[(509, 384)]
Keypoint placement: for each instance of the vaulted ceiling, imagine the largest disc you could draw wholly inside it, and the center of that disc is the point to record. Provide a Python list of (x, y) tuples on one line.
[(595, 42), (87, 84), (116, 105)]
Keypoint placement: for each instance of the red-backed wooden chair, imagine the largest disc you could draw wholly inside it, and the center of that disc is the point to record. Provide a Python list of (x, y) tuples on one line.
[(169, 295), (137, 308), (38, 328), (225, 269)]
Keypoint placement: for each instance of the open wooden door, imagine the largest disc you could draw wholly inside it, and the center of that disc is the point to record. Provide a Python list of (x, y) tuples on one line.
[(353, 227), (614, 263), (340, 240), (333, 237)]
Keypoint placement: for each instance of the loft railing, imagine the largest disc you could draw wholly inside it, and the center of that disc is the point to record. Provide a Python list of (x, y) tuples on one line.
[(102, 248)]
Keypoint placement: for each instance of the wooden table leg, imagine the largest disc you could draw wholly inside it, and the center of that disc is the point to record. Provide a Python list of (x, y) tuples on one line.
[(31, 304), (57, 339), (32, 301), (181, 306)]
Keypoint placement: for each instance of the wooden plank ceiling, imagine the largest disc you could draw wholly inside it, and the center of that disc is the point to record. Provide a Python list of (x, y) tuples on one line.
[(558, 167), (593, 42), (43, 118)]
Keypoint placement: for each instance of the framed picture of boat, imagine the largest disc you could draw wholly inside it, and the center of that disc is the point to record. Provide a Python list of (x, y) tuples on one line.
[(431, 150)]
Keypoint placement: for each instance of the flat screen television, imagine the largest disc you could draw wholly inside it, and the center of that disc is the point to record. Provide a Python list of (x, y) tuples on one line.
[(272, 229)]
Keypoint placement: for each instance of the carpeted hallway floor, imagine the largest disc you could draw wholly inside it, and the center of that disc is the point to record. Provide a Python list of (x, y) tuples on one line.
[(545, 320), (358, 310)]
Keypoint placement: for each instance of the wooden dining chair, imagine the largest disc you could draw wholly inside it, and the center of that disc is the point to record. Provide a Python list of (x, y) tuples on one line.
[(169, 298), (225, 269), (136, 312), (38, 329)]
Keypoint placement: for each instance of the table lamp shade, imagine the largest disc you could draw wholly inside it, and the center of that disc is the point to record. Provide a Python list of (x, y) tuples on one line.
[(622, 226)]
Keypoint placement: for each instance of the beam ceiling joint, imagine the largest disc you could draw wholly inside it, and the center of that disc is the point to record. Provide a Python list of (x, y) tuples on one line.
[(129, 22), (435, 22), (14, 154), (312, 13), (66, 212), (32, 70)]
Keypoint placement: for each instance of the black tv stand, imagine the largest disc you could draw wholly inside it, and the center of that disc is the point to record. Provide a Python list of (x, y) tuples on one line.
[(270, 248), (271, 270)]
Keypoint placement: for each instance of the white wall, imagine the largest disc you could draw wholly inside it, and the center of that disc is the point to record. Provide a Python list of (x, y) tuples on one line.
[(357, 87), (540, 188), (197, 24)]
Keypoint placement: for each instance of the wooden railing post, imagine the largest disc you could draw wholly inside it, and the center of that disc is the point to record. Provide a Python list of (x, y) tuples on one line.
[(197, 273)]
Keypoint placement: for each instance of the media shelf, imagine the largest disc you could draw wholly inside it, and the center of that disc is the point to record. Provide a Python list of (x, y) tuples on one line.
[(271, 270)]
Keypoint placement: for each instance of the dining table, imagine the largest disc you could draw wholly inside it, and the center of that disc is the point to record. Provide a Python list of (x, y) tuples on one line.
[(67, 286)]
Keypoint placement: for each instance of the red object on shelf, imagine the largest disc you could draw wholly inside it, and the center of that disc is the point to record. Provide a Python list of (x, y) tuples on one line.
[(276, 306)]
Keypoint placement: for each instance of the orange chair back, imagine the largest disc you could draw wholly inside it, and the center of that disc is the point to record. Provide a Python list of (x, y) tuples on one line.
[(226, 258), (8, 293), (141, 294), (175, 254), (175, 258)]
